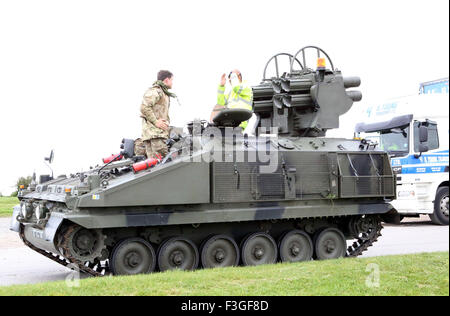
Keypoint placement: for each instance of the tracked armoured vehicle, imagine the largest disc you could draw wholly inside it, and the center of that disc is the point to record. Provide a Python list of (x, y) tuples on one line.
[(221, 197)]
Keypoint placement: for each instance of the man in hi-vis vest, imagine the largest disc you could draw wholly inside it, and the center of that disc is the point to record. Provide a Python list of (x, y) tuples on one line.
[(239, 97)]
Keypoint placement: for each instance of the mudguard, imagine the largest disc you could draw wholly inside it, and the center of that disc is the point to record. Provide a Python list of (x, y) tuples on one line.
[(44, 238), (14, 224)]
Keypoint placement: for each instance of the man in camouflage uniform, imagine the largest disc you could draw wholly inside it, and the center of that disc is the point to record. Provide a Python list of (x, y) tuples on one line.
[(155, 116)]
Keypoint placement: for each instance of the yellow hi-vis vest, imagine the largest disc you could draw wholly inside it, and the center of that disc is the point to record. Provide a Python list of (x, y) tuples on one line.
[(240, 97)]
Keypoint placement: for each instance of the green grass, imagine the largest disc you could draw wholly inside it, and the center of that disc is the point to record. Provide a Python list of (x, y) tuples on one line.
[(422, 274), (6, 205)]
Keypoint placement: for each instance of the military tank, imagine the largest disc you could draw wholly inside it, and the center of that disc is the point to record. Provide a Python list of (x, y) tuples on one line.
[(221, 197)]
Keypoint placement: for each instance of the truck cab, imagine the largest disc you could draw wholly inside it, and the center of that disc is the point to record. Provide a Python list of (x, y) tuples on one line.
[(414, 130)]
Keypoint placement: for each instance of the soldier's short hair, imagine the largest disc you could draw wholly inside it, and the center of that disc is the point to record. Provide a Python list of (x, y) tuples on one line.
[(164, 74)]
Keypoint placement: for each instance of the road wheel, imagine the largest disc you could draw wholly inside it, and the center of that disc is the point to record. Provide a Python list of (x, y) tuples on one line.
[(441, 210), (259, 248), (178, 253), (330, 243), (296, 246), (220, 251), (133, 256)]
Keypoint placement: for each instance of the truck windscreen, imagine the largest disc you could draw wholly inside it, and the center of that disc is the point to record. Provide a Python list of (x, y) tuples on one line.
[(395, 141)]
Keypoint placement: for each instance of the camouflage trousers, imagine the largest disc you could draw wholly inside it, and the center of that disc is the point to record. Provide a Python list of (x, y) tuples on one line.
[(150, 147)]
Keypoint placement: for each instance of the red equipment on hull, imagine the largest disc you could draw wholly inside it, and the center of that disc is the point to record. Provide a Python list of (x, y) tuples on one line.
[(116, 157), (146, 164)]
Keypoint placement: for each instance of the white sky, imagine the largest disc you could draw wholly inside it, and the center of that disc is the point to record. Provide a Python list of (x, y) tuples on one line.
[(72, 73)]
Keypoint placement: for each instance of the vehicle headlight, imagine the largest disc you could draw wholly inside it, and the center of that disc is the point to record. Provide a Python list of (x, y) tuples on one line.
[(26, 211), (23, 211), (39, 211)]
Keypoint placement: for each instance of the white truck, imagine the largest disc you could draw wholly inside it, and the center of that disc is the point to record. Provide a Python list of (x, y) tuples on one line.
[(415, 131)]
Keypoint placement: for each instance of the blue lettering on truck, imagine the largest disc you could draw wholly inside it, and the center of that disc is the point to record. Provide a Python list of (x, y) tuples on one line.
[(427, 163)]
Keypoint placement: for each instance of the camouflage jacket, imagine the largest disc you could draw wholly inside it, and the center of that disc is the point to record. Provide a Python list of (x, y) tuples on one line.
[(155, 106)]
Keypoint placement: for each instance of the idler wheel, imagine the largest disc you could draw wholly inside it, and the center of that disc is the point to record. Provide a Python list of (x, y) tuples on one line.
[(220, 251), (178, 253), (133, 256), (259, 248), (330, 243), (296, 246)]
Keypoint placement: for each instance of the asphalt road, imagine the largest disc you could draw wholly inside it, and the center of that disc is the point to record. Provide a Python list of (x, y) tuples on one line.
[(20, 265)]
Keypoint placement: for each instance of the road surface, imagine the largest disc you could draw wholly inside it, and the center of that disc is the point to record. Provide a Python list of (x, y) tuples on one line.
[(20, 265)]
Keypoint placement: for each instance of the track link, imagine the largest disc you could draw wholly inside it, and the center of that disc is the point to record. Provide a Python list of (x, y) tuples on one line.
[(361, 245)]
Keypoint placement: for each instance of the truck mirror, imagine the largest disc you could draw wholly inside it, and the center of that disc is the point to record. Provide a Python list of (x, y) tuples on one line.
[(423, 148), (423, 134)]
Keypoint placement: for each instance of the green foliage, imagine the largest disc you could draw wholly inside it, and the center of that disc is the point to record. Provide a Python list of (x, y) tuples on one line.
[(419, 274), (25, 181)]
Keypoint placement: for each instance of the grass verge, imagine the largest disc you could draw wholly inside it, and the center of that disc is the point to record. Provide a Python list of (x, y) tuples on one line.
[(6, 205), (420, 274)]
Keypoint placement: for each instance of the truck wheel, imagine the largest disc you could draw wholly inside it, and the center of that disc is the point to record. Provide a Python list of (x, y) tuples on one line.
[(441, 211)]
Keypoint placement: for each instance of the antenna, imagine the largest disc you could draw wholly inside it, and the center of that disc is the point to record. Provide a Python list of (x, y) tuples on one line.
[(48, 160)]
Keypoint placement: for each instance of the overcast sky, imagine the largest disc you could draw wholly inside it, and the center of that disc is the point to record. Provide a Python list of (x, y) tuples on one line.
[(72, 73)]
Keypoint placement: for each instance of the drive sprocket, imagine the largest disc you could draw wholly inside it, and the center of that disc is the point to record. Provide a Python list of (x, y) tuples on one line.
[(83, 245), (366, 230)]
